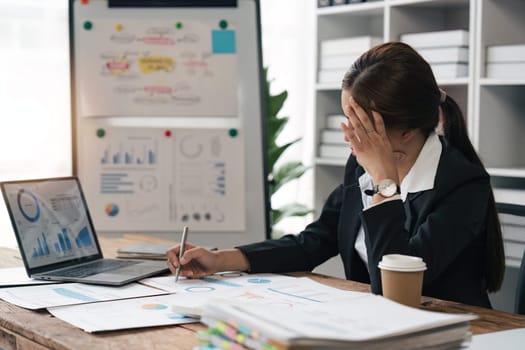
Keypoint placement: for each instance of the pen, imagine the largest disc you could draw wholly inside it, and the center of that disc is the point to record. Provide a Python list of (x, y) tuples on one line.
[(181, 251)]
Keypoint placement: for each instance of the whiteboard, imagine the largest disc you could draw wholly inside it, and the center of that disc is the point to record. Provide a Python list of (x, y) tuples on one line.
[(167, 118)]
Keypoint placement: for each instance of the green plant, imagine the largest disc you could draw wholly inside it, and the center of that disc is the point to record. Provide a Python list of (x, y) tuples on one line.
[(280, 175)]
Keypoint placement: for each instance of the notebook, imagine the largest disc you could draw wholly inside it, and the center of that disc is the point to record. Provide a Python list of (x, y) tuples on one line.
[(57, 239)]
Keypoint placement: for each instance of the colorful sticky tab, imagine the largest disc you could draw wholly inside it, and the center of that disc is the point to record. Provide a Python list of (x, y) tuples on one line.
[(223, 41)]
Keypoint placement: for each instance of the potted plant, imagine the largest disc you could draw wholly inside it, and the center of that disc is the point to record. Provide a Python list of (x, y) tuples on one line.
[(281, 174)]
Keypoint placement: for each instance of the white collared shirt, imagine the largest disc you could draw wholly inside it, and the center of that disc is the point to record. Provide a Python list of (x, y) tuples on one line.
[(421, 177)]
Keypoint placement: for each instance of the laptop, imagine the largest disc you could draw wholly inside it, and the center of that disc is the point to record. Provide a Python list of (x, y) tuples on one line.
[(56, 237)]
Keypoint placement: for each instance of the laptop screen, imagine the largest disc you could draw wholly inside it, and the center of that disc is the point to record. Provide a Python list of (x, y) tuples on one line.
[(51, 221)]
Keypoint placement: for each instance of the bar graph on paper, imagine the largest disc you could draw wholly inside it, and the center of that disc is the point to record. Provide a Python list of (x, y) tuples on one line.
[(130, 152)]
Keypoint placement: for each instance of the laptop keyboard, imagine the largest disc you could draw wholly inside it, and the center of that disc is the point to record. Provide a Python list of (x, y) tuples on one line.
[(94, 268)]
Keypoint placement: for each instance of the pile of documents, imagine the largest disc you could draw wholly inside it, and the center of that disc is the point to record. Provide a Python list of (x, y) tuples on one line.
[(337, 56), (506, 61), (446, 51), (366, 322), (331, 138)]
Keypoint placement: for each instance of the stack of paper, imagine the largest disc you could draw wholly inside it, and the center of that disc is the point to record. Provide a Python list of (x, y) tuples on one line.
[(368, 322), (446, 51), (331, 138), (506, 61), (337, 55)]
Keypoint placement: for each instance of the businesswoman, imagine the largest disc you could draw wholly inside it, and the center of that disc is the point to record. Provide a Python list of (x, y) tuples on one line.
[(405, 190)]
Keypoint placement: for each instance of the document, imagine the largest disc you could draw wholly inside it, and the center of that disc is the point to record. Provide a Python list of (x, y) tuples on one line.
[(367, 322), (122, 314), (17, 276), (43, 296), (511, 339), (187, 304), (263, 289)]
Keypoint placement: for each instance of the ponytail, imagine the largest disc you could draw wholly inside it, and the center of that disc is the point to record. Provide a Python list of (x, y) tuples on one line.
[(455, 131)]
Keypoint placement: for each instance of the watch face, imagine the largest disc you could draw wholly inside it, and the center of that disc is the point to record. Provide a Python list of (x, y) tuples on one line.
[(387, 188)]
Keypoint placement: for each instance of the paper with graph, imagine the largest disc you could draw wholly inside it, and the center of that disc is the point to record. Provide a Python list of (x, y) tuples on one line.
[(188, 297), (122, 314), (43, 296)]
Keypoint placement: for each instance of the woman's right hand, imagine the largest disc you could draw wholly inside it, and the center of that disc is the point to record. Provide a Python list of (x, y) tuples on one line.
[(197, 262)]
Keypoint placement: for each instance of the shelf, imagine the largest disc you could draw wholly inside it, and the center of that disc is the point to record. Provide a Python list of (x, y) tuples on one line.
[(509, 196), (510, 172), (363, 8), (501, 82), (429, 3), (493, 108), (327, 87), (455, 81), (447, 82), (330, 161)]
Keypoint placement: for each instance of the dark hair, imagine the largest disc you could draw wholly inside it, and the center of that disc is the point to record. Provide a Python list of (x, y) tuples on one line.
[(394, 80)]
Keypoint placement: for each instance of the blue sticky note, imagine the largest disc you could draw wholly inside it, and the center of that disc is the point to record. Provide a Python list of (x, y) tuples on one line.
[(223, 41)]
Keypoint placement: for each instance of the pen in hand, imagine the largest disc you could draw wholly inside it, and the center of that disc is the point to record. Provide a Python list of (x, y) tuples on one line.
[(181, 251)]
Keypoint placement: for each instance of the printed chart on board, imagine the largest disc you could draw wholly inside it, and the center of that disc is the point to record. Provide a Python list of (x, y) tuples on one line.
[(157, 68), (146, 177)]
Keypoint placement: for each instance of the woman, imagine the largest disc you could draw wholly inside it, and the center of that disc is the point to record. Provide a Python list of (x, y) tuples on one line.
[(406, 190)]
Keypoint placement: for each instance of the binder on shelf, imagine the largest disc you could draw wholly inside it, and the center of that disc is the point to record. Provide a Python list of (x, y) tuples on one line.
[(455, 54), (353, 45), (449, 70), (334, 151), (333, 121), (332, 136), (507, 70), (338, 61), (506, 53), (331, 75), (442, 38), (324, 3)]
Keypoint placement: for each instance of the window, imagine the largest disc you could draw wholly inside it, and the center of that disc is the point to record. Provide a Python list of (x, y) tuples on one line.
[(35, 136)]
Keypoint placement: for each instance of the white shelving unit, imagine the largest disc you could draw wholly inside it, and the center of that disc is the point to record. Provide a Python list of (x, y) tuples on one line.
[(494, 108)]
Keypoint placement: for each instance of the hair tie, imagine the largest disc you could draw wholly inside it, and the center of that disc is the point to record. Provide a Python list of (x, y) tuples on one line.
[(442, 95)]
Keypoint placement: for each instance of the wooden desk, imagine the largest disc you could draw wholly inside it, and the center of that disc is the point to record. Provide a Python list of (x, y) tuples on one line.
[(23, 329)]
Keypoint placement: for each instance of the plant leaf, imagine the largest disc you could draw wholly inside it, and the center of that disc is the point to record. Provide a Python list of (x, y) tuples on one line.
[(274, 127), (285, 173), (275, 152), (275, 103)]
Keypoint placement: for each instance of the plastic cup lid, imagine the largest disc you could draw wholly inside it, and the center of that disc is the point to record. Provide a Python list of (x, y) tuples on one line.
[(399, 262)]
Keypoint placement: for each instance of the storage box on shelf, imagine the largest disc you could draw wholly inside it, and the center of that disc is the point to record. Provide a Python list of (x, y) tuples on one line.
[(446, 51)]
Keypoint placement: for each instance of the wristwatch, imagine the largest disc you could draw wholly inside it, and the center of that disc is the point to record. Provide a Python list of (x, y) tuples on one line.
[(386, 188)]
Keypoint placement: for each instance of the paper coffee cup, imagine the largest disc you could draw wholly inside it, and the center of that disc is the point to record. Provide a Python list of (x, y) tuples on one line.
[(402, 278)]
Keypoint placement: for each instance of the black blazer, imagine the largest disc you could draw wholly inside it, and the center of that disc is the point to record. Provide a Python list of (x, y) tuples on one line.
[(445, 226)]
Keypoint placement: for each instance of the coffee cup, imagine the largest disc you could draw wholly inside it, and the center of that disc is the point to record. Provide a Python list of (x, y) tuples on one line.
[(402, 278)]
